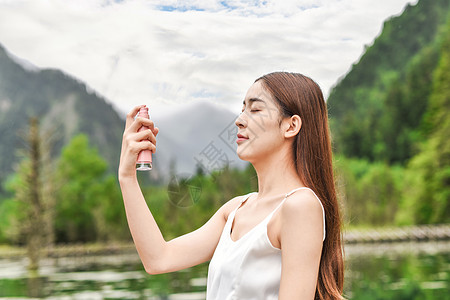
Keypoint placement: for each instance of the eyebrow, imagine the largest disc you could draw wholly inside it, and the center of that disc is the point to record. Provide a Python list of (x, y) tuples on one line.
[(251, 100)]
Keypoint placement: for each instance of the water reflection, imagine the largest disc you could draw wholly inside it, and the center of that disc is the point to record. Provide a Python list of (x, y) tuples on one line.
[(383, 271), (406, 277), (98, 277)]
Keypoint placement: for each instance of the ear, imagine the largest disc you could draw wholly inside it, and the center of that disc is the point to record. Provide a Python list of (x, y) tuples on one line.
[(292, 126)]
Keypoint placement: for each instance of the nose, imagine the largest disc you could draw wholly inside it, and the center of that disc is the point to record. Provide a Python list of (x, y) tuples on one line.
[(240, 122)]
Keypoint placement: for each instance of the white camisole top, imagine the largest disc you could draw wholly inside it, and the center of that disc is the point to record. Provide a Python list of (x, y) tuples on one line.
[(249, 268)]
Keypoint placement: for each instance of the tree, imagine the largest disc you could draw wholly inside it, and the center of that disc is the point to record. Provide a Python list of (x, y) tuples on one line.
[(89, 205), (27, 213), (428, 192)]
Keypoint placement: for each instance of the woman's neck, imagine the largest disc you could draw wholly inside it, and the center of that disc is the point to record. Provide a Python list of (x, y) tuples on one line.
[(277, 175)]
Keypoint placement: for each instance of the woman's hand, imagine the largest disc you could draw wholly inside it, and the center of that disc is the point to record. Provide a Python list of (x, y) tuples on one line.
[(134, 142)]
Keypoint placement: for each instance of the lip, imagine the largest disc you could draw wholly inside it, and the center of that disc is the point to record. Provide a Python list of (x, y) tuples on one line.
[(241, 138)]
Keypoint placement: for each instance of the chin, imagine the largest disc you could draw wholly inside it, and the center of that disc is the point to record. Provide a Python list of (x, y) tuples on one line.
[(247, 154), (256, 153), (242, 154), (244, 158)]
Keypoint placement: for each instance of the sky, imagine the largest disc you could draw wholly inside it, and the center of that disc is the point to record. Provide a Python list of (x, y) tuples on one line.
[(167, 53)]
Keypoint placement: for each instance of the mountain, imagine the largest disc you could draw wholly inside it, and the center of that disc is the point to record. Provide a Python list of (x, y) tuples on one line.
[(377, 111), (197, 134), (193, 133), (390, 119), (64, 106)]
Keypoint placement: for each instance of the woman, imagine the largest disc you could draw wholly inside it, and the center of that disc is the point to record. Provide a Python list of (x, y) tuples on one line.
[(284, 241)]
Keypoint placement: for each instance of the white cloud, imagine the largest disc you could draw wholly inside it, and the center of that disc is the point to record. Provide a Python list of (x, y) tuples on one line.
[(132, 52)]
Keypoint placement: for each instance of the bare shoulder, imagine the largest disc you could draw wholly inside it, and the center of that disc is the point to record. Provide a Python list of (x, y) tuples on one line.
[(302, 210), (301, 202)]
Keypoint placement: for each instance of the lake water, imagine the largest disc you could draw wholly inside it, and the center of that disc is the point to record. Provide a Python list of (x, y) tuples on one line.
[(383, 271)]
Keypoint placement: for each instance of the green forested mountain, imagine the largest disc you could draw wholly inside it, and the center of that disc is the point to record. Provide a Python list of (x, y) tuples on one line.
[(63, 105), (389, 119), (428, 185), (378, 109)]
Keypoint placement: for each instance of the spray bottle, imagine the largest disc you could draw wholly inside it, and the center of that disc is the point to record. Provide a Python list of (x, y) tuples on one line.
[(144, 160)]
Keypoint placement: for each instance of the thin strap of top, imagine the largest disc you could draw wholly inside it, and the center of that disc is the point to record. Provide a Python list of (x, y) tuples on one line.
[(246, 198), (285, 197), (300, 188)]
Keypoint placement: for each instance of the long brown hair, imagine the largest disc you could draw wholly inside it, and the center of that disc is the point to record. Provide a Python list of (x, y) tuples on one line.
[(299, 95)]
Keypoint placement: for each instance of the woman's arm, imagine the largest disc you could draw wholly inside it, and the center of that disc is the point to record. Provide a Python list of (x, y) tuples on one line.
[(157, 255), (301, 234)]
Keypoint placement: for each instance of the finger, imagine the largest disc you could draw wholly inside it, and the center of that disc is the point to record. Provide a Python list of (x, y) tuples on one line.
[(144, 145), (145, 135), (139, 122), (155, 131), (131, 115)]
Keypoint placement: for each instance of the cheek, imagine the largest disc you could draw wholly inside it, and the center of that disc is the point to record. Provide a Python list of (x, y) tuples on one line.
[(263, 141), (269, 133)]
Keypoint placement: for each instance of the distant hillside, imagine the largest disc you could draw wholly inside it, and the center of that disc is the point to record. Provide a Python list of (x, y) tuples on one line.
[(198, 132), (377, 110), (64, 106)]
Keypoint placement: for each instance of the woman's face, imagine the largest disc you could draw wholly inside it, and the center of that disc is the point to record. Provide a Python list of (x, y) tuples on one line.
[(259, 133)]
